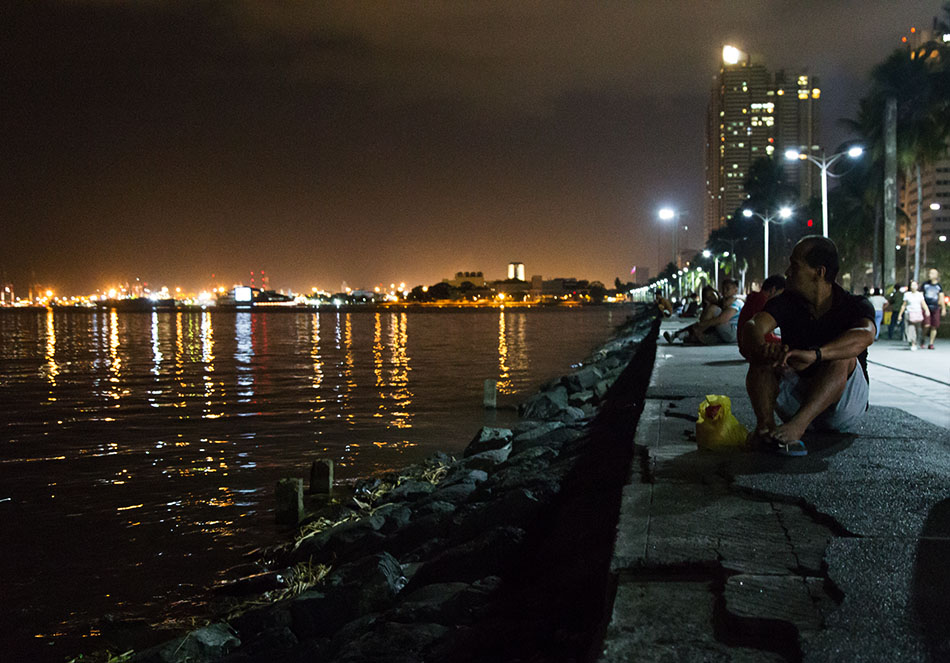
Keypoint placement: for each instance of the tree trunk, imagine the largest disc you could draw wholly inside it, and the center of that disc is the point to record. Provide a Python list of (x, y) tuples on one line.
[(876, 250), (920, 198), (890, 191)]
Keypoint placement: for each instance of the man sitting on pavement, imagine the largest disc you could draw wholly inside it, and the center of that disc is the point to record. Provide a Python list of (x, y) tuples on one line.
[(719, 328), (817, 376)]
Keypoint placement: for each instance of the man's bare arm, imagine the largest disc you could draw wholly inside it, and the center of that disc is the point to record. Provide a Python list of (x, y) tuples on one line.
[(752, 343), (847, 346)]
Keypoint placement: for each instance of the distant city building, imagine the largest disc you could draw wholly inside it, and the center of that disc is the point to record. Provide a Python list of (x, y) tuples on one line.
[(934, 178), (477, 279), (6, 294), (753, 114), (934, 223), (516, 271)]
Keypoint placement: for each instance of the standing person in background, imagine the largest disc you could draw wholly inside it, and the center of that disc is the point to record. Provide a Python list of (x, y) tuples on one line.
[(880, 305), (917, 312), (897, 300), (933, 295)]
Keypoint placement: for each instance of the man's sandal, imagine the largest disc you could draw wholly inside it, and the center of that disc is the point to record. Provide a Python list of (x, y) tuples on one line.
[(781, 447)]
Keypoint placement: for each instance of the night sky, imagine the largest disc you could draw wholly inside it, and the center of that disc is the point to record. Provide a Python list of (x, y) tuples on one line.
[(379, 142)]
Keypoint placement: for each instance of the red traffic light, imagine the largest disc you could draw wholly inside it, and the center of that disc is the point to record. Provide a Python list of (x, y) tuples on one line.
[(810, 223)]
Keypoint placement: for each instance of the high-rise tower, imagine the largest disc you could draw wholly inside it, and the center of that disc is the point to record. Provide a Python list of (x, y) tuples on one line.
[(753, 114)]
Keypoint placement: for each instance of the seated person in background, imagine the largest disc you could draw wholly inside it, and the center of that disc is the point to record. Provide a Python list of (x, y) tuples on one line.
[(755, 302), (664, 305), (692, 306), (718, 323), (817, 375)]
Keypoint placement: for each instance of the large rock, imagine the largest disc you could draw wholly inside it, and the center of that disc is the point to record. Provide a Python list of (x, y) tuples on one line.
[(391, 642), (367, 585), (204, 645), (490, 554), (583, 379), (487, 461), (410, 490), (337, 538), (552, 434), (487, 439), (545, 405), (516, 507)]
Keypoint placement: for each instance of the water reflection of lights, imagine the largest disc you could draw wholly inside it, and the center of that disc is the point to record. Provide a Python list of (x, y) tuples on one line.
[(512, 349), (399, 374), (378, 358), (156, 347), (207, 360), (52, 368), (348, 363), (317, 360), (243, 354), (504, 372)]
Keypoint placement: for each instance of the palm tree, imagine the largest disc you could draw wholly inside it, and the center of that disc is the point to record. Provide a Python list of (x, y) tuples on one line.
[(922, 126)]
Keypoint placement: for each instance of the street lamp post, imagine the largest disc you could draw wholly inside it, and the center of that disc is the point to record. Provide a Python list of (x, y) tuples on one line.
[(715, 256), (824, 163), (670, 214), (783, 214)]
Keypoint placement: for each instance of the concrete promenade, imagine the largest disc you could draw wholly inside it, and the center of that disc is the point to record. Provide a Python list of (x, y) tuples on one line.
[(843, 555)]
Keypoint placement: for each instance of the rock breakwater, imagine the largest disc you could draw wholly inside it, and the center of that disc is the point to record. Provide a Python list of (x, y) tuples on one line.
[(501, 554)]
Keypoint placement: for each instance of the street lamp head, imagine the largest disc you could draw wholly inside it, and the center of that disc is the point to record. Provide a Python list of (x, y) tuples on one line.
[(725, 254), (707, 253), (785, 212), (855, 151), (747, 213), (935, 206), (667, 214), (791, 155)]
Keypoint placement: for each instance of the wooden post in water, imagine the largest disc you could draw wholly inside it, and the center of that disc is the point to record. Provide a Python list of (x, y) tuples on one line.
[(491, 394), (321, 477), (289, 495)]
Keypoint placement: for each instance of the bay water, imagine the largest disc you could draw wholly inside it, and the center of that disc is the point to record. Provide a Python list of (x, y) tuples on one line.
[(139, 450)]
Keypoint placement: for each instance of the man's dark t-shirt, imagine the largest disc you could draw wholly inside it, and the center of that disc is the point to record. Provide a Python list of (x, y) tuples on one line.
[(800, 331), (932, 293)]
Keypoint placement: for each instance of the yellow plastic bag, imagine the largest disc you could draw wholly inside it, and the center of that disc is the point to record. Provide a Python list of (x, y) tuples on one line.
[(716, 427)]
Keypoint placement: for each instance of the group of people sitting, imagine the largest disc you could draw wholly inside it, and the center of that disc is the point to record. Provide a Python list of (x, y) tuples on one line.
[(721, 316)]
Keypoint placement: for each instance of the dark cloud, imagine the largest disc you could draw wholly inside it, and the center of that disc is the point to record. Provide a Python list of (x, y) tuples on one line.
[(373, 142)]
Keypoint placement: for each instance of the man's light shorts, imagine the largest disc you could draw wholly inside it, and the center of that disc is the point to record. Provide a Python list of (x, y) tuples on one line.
[(838, 417)]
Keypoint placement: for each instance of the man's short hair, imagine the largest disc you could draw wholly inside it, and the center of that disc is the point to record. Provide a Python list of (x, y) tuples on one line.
[(775, 282), (821, 252), (726, 282)]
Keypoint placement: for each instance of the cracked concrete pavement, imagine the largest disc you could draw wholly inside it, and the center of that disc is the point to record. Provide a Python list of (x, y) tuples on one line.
[(744, 556)]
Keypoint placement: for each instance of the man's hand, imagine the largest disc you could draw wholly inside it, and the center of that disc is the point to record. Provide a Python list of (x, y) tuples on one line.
[(770, 353), (800, 359)]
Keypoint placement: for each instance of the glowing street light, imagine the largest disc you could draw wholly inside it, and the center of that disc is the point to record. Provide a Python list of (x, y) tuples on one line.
[(824, 163), (670, 214), (783, 214)]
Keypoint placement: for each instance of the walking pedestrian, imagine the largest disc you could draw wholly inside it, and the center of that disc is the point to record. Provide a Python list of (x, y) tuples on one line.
[(880, 305), (917, 312), (937, 305)]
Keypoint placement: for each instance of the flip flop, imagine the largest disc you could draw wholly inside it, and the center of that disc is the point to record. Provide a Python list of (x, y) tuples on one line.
[(779, 446)]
